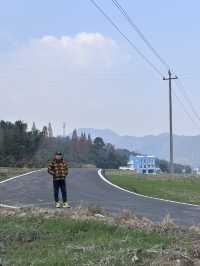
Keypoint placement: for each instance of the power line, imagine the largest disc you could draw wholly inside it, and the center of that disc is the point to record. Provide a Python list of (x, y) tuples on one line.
[(185, 110), (136, 28), (186, 96), (140, 33), (127, 39)]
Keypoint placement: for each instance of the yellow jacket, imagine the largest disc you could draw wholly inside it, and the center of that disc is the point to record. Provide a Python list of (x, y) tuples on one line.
[(58, 169)]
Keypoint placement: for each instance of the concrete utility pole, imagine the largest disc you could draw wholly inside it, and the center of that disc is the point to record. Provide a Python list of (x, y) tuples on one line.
[(170, 78)]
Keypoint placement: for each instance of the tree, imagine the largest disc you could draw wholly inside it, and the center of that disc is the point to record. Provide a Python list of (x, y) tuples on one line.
[(89, 139), (74, 135), (83, 148), (178, 168), (74, 146), (34, 129), (164, 166), (50, 131), (99, 143), (45, 132), (17, 145)]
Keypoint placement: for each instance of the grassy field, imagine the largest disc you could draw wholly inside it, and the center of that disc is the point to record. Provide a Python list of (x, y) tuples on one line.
[(182, 189), (6, 172), (58, 241)]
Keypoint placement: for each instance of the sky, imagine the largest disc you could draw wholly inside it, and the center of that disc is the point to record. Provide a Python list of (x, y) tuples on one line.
[(61, 61)]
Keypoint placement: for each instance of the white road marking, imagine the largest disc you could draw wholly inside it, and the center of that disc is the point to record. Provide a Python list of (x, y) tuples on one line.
[(15, 177), (9, 206), (12, 178), (143, 196)]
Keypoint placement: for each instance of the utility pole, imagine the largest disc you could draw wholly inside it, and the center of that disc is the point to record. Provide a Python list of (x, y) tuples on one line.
[(170, 78)]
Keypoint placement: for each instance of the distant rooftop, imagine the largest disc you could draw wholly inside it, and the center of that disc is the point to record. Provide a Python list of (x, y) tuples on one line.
[(143, 156)]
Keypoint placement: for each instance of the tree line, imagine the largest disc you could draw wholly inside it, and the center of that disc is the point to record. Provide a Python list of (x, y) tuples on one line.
[(21, 147), (178, 168), (33, 148)]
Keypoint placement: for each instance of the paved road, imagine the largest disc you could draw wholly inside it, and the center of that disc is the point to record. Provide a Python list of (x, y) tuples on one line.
[(85, 185)]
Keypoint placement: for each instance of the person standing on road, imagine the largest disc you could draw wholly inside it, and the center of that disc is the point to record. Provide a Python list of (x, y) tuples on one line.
[(59, 170)]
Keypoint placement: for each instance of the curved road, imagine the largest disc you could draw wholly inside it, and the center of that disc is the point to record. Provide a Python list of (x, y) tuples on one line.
[(85, 185)]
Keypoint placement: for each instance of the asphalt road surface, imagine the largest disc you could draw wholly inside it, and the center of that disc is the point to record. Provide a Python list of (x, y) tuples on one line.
[(85, 185)]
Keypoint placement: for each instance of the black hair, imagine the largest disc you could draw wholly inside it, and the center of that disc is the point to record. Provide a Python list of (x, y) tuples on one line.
[(58, 153)]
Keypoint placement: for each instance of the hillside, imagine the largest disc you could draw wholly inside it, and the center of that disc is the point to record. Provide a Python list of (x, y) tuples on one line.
[(186, 148)]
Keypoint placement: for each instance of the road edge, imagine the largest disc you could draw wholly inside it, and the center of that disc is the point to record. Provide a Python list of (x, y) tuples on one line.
[(143, 196), (12, 178)]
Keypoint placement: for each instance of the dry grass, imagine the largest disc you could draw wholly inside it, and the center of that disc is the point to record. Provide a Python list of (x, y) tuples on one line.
[(85, 238), (184, 251)]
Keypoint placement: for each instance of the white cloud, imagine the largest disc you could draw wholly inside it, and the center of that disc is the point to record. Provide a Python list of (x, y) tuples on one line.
[(85, 50), (60, 79), (86, 80)]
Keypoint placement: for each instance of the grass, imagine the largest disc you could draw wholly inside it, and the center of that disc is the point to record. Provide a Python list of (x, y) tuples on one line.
[(182, 189), (6, 172), (60, 241)]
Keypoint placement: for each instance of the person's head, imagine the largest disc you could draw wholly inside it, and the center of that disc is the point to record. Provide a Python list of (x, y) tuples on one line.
[(58, 156)]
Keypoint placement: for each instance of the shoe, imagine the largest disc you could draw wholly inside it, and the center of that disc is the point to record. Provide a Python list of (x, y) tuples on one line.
[(66, 205), (57, 204)]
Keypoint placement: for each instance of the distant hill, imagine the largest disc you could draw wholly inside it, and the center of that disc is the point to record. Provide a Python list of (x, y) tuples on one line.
[(186, 148)]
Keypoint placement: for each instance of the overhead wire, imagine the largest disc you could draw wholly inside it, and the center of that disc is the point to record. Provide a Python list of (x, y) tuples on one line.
[(184, 92), (149, 45), (179, 83), (185, 110), (140, 33), (126, 38)]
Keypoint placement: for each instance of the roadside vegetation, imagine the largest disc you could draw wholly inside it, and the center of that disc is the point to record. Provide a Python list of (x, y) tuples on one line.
[(7, 172), (21, 147), (57, 241), (81, 237), (178, 188)]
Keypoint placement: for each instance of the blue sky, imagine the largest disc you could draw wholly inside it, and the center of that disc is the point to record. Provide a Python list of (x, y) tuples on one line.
[(128, 96)]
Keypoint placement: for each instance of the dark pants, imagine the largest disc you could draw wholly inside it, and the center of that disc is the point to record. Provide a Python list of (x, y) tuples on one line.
[(59, 185)]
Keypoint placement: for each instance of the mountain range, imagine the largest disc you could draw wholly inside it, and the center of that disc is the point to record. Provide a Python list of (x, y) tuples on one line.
[(186, 148)]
